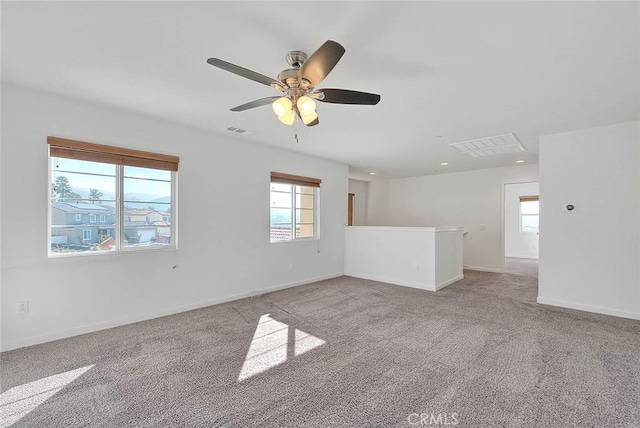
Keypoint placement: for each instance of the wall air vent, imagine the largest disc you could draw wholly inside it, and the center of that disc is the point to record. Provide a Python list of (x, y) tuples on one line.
[(238, 130), (490, 146)]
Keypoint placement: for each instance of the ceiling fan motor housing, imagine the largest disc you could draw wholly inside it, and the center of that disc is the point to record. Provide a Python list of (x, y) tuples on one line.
[(289, 77), (296, 58)]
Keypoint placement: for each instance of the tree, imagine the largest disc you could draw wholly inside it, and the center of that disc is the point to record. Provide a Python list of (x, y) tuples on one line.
[(94, 195), (62, 188)]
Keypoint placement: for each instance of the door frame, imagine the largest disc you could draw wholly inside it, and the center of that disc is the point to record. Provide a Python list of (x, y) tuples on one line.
[(351, 209), (503, 235)]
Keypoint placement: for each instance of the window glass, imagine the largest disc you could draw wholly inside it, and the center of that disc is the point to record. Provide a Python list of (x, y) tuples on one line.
[(529, 216), (85, 216), (292, 212)]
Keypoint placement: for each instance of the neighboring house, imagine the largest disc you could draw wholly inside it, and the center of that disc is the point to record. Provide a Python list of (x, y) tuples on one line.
[(81, 223), (65, 213), (146, 225), (148, 216)]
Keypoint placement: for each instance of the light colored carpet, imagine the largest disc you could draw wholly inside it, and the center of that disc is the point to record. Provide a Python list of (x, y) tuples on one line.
[(522, 267), (346, 353)]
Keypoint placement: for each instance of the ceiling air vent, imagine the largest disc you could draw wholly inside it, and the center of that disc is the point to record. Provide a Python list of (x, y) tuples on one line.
[(490, 146), (238, 130)]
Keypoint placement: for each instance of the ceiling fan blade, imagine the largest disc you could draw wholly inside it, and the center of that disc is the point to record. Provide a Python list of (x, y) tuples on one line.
[(345, 96), (257, 103), (244, 72), (320, 63)]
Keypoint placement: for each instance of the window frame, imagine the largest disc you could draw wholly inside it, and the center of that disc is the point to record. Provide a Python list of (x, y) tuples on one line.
[(294, 181), (103, 218), (119, 213), (78, 216), (84, 233)]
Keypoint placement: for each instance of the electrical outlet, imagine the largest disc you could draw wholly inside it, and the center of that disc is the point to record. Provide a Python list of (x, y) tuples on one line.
[(23, 307), (483, 227), (291, 266), (417, 268)]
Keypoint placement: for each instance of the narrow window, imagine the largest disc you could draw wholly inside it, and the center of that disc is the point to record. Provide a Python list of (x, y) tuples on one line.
[(529, 213), (293, 207)]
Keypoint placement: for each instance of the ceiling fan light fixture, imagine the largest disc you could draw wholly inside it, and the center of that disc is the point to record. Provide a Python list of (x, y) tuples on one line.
[(308, 118), (288, 118), (306, 105), (282, 107)]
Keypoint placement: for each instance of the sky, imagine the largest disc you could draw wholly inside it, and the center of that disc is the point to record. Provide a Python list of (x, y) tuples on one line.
[(85, 175)]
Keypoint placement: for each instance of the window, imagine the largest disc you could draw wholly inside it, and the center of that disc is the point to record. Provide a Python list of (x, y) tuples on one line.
[(529, 213), (78, 217), (293, 207), (114, 185)]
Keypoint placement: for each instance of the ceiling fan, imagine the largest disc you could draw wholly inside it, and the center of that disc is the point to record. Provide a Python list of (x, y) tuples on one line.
[(298, 84)]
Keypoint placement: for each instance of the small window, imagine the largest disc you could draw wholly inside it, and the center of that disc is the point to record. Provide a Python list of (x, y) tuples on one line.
[(293, 208), (529, 213), (120, 181)]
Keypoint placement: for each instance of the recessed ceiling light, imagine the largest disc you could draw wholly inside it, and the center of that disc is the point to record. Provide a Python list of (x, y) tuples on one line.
[(372, 173), (444, 163), (520, 161)]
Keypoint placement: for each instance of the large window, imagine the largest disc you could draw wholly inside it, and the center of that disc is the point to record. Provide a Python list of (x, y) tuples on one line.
[(294, 201), (107, 198), (529, 213)]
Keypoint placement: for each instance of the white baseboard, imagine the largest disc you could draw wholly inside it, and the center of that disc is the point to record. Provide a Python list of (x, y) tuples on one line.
[(588, 308), (516, 256), (90, 328), (483, 269), (412, 284), (393, 281), (449, 282)]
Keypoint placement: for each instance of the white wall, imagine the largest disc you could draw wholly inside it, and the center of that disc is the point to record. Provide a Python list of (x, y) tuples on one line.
[(428, 258), (589, 256), (361, 190), (519, 244), (470, 199), (224, 250)]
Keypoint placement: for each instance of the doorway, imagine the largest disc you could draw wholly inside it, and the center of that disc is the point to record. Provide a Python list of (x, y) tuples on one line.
[(521, 228)]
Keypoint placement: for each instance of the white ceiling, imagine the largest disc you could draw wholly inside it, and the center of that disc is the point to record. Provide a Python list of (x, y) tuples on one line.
[(460, 71)]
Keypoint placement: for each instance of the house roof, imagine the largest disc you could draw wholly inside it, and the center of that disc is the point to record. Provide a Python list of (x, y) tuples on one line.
[(135, 211), (80, 208)]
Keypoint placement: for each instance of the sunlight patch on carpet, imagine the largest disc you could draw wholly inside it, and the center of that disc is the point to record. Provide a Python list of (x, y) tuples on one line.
[(17, 402), (273, 343)]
